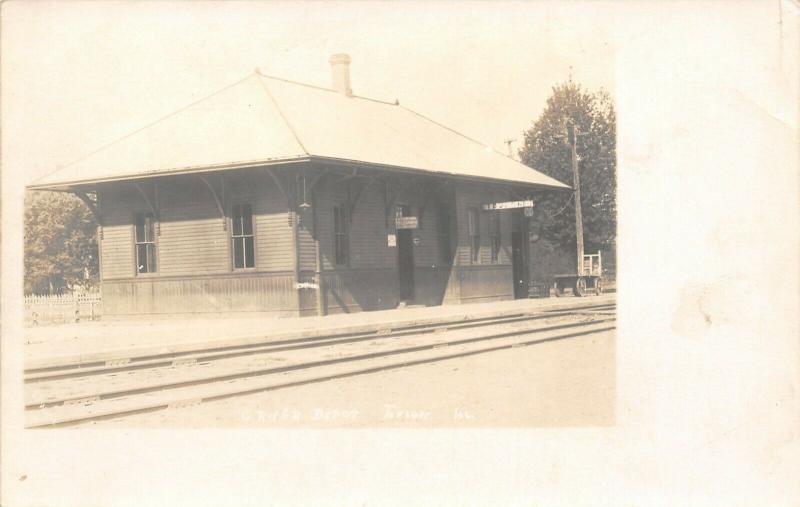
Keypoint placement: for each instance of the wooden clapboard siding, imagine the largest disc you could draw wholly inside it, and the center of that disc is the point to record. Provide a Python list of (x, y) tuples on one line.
[(272, 223), (194, 265), (194, 248), (117, 204), (369, 248), (193, 238), (117, 251), (305, 242)]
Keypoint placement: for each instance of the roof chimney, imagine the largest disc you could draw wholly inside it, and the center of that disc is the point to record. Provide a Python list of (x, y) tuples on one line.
[(340, 73)]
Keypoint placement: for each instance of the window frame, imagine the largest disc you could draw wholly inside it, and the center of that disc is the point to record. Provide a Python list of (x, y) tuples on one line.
[(233, 237), (474, 248), (340, 210), (154, 243)]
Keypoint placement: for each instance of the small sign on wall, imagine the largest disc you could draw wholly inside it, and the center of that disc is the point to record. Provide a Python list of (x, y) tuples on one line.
[(406, 222), (392, 239)]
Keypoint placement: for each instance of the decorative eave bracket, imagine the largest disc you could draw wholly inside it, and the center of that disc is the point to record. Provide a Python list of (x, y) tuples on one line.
[(433, 191), (353, 200), (92, 205), (149, 202), (217, 199)]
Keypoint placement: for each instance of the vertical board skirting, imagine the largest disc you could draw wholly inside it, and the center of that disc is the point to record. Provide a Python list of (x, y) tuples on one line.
[(361, 290), (259, 292), (493, 282)]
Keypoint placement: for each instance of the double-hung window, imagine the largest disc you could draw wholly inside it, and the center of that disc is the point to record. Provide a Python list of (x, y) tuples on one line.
[(474, 235), (145, 241), (242, 237), (341, 236), (495, 236)]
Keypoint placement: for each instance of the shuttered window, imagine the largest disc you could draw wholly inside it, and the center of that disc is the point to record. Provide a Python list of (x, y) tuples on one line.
[(341, 236), (145, 240), (495, 236), (242, 237), (474, 235)]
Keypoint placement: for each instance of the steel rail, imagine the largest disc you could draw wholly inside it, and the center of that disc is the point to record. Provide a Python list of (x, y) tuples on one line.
[(226, 352), (118, 393), (77, 419)]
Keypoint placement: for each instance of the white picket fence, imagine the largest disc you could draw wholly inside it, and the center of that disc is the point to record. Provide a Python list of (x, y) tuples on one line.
[(62, 308)]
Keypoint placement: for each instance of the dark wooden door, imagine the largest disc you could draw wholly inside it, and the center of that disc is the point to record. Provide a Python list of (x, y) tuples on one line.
[(518, 265), (405, 262)]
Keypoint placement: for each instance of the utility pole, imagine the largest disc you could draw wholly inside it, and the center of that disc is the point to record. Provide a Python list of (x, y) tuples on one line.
[(508, 143), (576, 178)]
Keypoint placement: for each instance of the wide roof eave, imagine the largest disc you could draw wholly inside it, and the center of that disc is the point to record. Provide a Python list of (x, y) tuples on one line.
[(67, 186)]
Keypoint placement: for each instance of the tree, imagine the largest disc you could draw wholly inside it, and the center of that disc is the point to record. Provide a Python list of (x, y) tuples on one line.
[(60, 243), (547, 150)]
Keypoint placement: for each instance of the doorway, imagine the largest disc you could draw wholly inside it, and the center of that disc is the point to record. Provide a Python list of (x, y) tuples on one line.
[(405, 257), (519, 257), (405, 262)]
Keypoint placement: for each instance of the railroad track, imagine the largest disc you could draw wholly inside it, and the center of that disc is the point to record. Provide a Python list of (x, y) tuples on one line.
[(122, 364), (71, 396)]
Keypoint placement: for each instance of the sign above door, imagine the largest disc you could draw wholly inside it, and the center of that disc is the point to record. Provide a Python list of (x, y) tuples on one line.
[(508, 205)]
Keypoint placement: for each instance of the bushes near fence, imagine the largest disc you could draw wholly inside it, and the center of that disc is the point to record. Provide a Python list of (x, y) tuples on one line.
[(63, 308)]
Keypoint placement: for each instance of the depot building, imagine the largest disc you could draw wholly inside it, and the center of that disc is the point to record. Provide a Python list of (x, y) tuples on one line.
[(285, 198)]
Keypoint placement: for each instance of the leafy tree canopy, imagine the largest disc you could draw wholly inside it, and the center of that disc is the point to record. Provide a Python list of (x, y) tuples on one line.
[(546, 149), (60, 243)]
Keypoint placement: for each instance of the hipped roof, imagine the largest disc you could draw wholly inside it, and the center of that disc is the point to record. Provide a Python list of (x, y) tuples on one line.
[(262, 120)]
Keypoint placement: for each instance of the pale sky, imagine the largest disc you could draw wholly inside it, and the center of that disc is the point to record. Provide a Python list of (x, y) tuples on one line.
[(79, 75)]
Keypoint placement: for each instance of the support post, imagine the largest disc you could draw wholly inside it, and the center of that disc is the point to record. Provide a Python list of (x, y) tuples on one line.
[(322, 307)]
